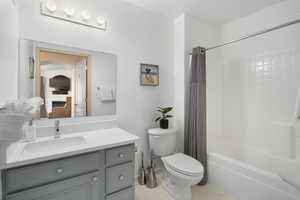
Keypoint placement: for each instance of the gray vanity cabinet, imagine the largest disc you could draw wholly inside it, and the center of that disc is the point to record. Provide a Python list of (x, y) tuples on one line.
[(84, 187), (101, 175), (25, 177)]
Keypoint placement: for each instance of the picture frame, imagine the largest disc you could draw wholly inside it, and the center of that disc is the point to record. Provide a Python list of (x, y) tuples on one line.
[(149, 75)]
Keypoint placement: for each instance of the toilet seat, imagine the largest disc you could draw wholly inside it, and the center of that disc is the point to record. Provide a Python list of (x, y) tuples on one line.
[(184, 164)]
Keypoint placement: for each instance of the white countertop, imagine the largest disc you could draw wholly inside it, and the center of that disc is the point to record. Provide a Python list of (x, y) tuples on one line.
[(94, 140)]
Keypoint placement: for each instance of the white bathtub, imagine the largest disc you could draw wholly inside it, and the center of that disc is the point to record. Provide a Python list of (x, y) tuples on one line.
[(246, 182)]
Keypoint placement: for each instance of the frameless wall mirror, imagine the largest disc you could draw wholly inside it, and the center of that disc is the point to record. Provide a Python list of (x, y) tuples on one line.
[(73, 82)]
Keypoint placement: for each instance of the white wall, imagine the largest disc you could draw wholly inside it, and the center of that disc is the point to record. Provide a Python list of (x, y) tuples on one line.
[(204, 34), (25, 84), (269, 17), (200, 33), (134, 35), (190, 33), (8, 49), (179, 77)]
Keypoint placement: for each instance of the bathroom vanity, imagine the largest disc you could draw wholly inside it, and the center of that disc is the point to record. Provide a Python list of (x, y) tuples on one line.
[(88, 157), (100, 168)]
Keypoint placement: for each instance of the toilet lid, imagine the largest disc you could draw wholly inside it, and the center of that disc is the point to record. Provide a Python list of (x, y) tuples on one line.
[(184, 164)]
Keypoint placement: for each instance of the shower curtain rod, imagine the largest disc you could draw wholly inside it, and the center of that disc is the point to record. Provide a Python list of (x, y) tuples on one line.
[(255, 34)]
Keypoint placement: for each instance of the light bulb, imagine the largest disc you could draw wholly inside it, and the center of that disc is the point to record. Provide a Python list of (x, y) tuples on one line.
[(51, 6), (100, 20), (86, 15), (69, 11)]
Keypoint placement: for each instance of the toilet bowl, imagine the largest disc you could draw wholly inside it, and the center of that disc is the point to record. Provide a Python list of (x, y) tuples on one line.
[(183, 172)]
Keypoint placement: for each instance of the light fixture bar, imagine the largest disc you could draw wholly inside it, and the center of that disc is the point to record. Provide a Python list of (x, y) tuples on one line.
[(68, 14)]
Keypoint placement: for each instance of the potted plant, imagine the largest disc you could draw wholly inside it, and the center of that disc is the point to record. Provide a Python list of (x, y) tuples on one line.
[(163, 119)]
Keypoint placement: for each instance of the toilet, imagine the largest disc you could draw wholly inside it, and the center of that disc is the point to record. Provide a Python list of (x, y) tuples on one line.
[(182, 171)]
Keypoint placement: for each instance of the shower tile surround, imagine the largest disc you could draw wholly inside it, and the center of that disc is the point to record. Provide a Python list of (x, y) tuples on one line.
[(257, 89), (271, 85)]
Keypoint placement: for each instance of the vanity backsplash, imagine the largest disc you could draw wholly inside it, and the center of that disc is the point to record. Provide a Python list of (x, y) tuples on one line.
[(45, 128)]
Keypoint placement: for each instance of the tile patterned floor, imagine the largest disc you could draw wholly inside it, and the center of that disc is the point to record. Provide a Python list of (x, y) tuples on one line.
[(207, 192)]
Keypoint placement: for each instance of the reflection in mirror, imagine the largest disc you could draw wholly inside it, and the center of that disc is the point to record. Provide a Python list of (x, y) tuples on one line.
[(73, 82)]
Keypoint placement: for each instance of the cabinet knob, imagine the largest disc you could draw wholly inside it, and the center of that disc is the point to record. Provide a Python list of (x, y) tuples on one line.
[(121, 155), (95, 178), (121, 177), (59, 170)]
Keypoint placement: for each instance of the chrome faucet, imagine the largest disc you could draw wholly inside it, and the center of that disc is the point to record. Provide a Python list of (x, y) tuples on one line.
[(57, 129)]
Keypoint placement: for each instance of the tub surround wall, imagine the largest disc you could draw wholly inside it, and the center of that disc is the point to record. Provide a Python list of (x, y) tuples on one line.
[(255, 94), (258, 87)]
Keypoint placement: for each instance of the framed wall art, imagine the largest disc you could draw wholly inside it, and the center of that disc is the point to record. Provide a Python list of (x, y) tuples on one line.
[(149, 75)]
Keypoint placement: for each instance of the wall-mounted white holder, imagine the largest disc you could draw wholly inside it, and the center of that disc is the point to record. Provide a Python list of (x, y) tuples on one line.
[(67, 13), (10, 132)]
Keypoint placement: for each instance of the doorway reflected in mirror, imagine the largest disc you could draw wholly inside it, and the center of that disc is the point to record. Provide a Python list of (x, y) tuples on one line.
[(73, 82), (62, 84)]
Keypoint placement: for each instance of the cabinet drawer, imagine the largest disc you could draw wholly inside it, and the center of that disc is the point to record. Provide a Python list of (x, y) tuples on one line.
[(119, 177), (84, 187), (119, 155), (39, 174), (127, 194)]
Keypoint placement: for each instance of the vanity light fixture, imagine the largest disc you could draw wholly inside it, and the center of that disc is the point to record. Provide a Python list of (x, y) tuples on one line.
[(69, 11), (101, 20), (86, 15), (51, 6)]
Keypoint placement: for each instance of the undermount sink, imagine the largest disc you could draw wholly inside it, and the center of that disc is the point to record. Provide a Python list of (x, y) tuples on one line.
[(53, 145)]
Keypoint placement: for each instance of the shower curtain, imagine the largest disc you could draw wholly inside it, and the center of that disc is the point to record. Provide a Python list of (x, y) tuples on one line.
[(195, 111)]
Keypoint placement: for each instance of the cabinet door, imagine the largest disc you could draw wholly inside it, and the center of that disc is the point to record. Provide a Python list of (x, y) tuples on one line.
[(86, 187)]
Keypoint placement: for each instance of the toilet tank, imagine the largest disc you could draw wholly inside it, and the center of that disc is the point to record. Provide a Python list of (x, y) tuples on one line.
[(162, 141)]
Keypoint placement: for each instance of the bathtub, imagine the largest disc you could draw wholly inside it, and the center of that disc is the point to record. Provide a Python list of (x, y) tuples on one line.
[(246, 182)]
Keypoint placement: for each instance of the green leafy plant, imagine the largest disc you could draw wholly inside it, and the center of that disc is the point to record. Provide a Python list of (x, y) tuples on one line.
[(164, 113)]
